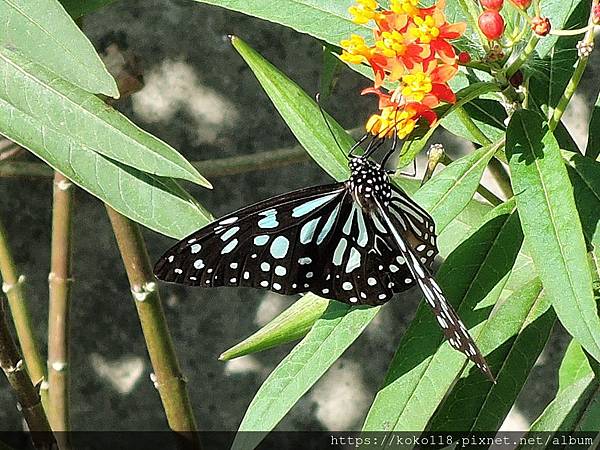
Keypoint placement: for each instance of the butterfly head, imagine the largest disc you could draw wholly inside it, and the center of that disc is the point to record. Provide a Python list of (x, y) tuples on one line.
[(368, 181)]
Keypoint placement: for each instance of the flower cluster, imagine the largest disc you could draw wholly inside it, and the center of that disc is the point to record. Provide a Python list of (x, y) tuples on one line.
[(411, 49)]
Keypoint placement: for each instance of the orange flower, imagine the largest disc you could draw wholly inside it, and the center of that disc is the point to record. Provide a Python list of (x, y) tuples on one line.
[(411, 49), (431, 28)]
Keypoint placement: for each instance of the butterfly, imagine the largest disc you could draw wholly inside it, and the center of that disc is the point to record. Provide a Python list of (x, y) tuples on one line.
[(359, 242)]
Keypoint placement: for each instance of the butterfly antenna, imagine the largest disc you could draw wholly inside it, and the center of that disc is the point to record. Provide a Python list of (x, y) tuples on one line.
[(317, 99), (392, 148)]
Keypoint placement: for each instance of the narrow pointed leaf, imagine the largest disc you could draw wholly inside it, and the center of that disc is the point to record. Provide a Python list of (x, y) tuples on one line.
[(568, 411), (574, 366), (43, 31), (328, 21), (301, 114), (513, 338), (425, 366), (454, 186), (158, 203), (54, 104), (301, 368), (551, 224), (291, 324), (584, 174)]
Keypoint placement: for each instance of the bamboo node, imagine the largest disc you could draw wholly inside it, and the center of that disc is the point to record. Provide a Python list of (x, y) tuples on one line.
[(141, 293), (7, 287), (63, 184), (59, 366), (53, 277)]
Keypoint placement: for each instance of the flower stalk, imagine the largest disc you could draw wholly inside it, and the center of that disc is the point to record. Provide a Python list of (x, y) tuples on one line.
[(167, 377), (59, 281), (588, 39), (12, 286), (28, 397)]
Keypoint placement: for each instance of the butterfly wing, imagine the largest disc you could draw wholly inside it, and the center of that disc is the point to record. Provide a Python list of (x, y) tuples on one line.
[(316, 239), (452, 326)]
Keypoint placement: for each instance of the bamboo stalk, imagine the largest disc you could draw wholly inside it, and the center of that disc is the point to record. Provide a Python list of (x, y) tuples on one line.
[(12, 286), (30, 403), (167, 377), (59, 281)]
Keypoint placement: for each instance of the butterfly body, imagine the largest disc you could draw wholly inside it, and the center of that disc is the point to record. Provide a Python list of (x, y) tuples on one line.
[(359, 242)]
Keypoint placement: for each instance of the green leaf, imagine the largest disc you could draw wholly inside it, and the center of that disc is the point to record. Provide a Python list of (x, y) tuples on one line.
[(54, 104), (423, 369), (584, 174), (301, 368), (450, 190), (593, 144), (513, 338), (44, 32), (574, 366), (79, 8), (559, 12), (550, 223), (156, 202), (488, 115), (549, 77), (288, 326), (568, 411), (301, 114), (328, 21), (412, 148)]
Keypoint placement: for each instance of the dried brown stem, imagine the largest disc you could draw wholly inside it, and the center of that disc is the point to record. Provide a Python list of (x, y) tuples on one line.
[(167, 377), (59, 282), (12, 286), (30, 403)]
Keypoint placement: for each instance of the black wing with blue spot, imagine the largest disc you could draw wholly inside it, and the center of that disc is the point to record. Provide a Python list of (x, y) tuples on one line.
[(316, 239)]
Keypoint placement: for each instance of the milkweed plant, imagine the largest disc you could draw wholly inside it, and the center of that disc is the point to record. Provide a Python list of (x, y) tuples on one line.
[(514, 262)]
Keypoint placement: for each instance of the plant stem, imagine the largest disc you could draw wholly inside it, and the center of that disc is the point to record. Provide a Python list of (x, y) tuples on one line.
[(580, 65), (574, 32), (30, 403), (59, 282), (167, 376), (211, 168), (523, 56), (12, 286)]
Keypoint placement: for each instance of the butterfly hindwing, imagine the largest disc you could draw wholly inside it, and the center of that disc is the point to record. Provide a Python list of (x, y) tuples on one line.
[(452, 326)]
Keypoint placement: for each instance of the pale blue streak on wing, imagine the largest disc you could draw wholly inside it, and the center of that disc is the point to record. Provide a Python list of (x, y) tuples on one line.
[(229, 233), (270, 219), (311, 205), (363, 236), (308, 231), (328, 225), (338, 254), (353, 260)]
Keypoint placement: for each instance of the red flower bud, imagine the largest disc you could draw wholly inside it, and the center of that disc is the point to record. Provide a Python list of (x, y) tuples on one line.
[(464, 58), (596, 14), (491, 24), (540, 25), (493, 5), (517, 79), (521, 4)]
